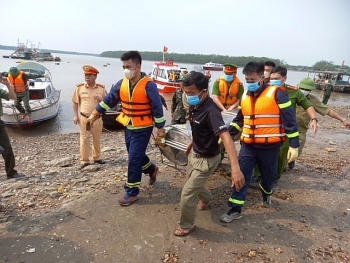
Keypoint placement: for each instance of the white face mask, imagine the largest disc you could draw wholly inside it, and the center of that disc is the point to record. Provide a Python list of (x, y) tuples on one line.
[(128, 73), (266, 74)]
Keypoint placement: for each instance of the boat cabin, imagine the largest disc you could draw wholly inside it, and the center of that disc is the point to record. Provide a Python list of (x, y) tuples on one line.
[(339, 80), (167, 71), (38, 89)]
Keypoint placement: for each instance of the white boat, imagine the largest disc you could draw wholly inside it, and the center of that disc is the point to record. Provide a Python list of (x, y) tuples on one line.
[(213, 66), (44, 98), (162, 75)]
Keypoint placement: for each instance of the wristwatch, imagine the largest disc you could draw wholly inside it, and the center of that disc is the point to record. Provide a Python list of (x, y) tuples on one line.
[(314, 119)]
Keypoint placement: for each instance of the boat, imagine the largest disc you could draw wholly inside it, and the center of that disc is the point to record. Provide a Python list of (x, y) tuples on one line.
[(213, 66), (44, 98), (166, 74), (23, 52), (338, 79)]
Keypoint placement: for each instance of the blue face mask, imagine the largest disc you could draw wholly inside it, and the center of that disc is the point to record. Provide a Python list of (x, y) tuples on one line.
[(276, 82), (229, 78), (253, 86), (194, 100)]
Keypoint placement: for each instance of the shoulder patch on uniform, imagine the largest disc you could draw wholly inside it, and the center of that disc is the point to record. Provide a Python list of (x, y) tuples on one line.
[(100, 85), (80, 84), (291, 87)]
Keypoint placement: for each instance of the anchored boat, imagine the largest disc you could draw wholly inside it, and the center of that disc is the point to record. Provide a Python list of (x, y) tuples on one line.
[(44, 98)]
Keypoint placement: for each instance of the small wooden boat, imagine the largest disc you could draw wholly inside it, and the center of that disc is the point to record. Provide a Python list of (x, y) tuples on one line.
[(339, 80)]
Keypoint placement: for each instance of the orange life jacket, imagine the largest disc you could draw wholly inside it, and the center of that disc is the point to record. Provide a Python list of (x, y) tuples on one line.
[(228, 96), (136, 106), (262, 118), (18, 83)]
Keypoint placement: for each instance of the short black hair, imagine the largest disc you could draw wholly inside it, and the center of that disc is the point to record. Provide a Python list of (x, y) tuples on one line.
[(134, 55), (280, 70), (254, 67), (198, 79), (270, 64)]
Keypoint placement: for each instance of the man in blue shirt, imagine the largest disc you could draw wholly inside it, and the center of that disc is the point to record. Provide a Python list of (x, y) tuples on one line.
[(141, 110), (266, 117)]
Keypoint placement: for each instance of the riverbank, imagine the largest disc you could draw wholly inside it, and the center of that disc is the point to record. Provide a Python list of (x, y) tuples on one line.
[(60, 213)]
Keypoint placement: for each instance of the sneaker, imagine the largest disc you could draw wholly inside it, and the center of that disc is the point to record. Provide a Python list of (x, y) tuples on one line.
[(230, 216), (125, 201), (266, 201), (15, 176)]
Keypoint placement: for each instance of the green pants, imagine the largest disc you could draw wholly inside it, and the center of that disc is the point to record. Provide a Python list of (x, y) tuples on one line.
[(197, 172), (8, 155), (23, 96), (302, 141), (326, 98)]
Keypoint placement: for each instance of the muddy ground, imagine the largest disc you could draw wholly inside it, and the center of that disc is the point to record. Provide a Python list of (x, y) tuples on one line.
[(60, 213)]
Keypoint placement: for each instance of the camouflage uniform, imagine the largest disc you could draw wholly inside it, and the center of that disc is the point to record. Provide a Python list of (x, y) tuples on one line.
[(177, 108)]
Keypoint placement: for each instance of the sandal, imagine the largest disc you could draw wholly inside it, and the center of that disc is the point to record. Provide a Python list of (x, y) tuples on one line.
[(180, 232)]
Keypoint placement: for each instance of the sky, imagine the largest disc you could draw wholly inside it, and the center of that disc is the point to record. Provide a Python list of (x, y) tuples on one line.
[(300, 32)]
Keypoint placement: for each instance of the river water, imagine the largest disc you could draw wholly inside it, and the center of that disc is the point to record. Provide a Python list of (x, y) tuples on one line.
[(69, 72)]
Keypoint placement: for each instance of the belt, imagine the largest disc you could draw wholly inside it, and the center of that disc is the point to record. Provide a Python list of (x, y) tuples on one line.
[(84, 115), (197, 155)]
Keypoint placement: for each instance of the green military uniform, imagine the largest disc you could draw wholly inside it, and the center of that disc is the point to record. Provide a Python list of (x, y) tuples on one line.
[(298, 99), (304, 119), (23, 96), (327, 93), (8, 155), (177, 108)]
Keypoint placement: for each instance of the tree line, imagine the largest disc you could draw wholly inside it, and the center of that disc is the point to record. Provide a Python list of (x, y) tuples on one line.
[(239, 61)]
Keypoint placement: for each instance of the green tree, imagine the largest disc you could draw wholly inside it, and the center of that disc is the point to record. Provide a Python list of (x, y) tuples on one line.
[(323, 64)]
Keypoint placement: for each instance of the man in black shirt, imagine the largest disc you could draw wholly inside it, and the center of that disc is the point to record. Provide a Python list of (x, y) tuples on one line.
[(204, 152)]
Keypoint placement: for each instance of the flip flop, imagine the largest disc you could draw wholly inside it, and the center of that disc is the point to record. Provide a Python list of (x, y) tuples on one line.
[(180, 232)]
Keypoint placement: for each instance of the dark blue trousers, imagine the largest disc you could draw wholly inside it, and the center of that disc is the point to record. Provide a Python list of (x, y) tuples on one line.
[(266, 160), (136, 143)]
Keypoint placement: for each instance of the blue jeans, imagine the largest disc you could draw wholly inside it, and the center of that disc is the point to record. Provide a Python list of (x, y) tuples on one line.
[(136, 144), (266, 160)]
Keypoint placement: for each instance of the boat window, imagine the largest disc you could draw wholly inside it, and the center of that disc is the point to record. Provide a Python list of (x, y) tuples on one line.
[(162, 73), (48, 90), (37, 94)]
